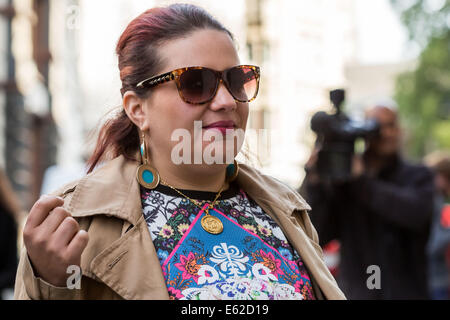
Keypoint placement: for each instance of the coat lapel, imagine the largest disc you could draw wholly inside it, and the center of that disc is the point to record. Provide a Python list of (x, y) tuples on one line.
[(131, 267), (128, 264)]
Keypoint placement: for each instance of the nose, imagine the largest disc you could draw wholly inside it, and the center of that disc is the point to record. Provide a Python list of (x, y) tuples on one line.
[(223, 99), (388, 131)]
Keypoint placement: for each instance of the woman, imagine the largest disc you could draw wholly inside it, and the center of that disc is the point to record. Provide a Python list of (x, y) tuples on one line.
[(157, 222)]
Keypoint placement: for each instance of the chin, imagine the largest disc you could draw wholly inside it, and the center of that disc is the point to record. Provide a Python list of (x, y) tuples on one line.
[(388, 153), (220, 151)]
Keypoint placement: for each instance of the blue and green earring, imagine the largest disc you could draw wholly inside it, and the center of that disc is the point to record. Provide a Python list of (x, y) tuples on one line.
[(147, 176), (232, 171)]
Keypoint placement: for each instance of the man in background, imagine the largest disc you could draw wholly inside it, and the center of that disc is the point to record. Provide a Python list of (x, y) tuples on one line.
[(381, 217)]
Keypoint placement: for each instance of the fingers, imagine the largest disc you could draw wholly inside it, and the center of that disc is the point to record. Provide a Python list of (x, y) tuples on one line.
[(66, 231), (54, 219), (41, 209), (78, 243), (357, 166), (53, 239), (312, 160)]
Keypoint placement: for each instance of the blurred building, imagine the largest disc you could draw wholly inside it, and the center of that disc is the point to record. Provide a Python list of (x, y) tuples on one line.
[(304, 48), (4, 39), (30, 137), (372, 83)]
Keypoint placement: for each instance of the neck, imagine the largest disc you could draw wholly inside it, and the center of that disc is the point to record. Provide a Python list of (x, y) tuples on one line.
[(192, 177)]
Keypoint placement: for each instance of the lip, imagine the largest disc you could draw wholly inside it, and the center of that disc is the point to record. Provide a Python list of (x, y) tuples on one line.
[(228, 124)]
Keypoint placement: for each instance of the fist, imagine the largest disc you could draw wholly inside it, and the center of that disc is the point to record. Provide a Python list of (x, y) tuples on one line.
[(53, 240), (358, 167), (311, 166)]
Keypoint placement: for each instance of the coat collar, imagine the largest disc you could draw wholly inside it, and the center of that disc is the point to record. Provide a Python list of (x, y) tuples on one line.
[(113, 190)]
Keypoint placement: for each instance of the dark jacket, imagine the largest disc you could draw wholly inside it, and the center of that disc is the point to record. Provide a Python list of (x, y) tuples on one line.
[(439, 242), (8, 249), (382, 221)]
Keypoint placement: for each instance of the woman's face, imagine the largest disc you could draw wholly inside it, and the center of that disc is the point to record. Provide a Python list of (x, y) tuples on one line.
[(166, 112)]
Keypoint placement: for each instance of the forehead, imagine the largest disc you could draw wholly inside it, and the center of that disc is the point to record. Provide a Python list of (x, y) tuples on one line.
[(382, 114), (207, 48)]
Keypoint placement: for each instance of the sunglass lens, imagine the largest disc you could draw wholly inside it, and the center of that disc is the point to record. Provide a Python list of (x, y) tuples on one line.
[(243, 83), (198, 85)]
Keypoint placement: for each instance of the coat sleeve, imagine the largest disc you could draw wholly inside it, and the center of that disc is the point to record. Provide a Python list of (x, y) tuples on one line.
[(30, 287), (302, 219), (409, 206)]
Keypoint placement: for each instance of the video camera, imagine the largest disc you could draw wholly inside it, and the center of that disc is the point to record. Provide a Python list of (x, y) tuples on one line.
[(336, 136)]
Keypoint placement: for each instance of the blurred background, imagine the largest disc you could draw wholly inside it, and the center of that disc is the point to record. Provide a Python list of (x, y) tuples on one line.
[(59, 76)]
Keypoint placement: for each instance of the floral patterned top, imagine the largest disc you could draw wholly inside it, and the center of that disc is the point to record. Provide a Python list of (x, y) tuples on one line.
[(250, 259)]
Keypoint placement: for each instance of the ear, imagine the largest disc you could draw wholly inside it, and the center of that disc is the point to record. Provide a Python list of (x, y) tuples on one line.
[(134, 108)]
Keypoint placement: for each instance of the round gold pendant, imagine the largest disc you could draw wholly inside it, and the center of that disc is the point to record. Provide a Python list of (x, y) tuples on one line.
[(212, 224)]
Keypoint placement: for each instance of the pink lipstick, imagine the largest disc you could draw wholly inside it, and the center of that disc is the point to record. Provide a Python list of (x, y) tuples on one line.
[(222, 126)]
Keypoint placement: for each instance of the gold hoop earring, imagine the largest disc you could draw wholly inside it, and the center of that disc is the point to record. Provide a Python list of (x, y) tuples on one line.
[(147, 175), (232, 171)]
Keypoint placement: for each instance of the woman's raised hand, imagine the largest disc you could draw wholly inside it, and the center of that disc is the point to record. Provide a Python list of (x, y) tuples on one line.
[(53, 240)]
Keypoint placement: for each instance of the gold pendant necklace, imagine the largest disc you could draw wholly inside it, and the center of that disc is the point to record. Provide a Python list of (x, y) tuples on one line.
[(209, 223), (212, 224)]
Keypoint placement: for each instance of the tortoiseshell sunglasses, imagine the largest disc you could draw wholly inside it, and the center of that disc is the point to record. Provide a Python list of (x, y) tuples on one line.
[(198, 85)]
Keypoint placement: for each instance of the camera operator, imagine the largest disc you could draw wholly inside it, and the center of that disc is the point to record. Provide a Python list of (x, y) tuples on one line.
[(380, 215)]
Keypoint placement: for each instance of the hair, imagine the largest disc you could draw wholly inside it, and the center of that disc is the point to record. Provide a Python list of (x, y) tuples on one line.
[(386, 102), (138, 59)]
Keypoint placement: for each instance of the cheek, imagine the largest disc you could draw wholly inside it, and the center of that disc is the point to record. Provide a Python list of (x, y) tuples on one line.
[(243, 111), (166, 115), (174, 112)]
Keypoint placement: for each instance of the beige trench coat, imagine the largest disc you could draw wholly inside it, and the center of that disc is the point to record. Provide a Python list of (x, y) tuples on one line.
[(120, 260)]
